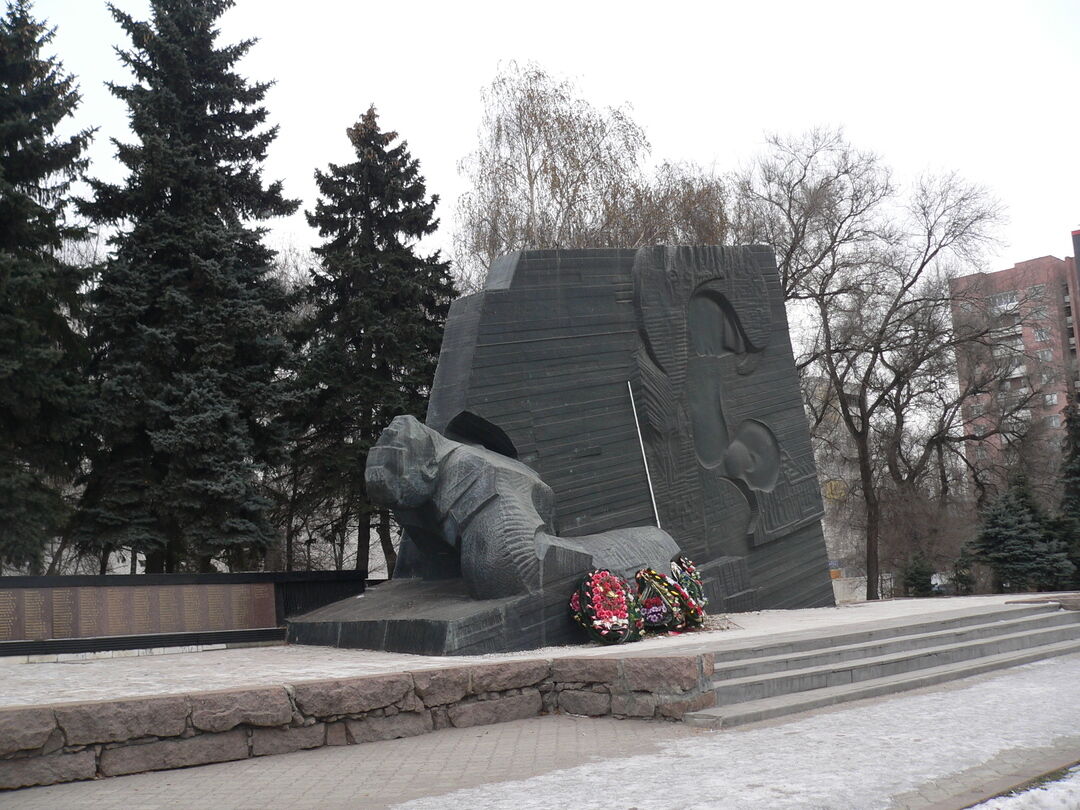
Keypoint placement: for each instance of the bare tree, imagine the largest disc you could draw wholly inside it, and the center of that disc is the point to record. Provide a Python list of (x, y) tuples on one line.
[(817, 201), (866, 273), (553, 171), (678, 204), (885, 336), (546, 169)]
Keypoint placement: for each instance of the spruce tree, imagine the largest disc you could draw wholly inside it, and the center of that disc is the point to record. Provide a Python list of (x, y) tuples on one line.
[(1007, 541), (1066, 527), (187, 316), (1015, 544), (377, 314), (42, 393)]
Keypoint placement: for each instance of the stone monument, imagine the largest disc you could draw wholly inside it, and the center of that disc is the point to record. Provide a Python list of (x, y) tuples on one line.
[(595, 408)]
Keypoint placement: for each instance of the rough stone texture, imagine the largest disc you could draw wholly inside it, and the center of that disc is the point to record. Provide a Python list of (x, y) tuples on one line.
[(516, 707), (437, 687), (633, 704), (440, 717), (54, 743), (675, 709), (585, 670), (23, 729), (221, 711), (266, 741), (157, 756), (336, 733), (48, 770), (121, 733), (592, 704), (708, 665), (674, 673), (350, 696), (119, 720), (508, 675), (403, 724)]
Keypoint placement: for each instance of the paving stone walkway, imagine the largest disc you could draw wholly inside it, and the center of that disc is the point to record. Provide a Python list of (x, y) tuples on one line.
[(373, 775), (935, 749)]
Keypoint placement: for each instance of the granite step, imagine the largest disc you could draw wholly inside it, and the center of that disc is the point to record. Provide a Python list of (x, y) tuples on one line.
[(754, 687), (808, 640), (767, 708), (767, 664), (810, 669)]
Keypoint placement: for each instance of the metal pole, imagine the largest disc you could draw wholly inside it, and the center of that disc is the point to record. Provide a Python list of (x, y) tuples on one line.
[(644, 459)]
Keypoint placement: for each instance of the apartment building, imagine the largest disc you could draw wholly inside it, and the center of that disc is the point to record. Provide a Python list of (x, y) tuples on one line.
[(1030, 354)]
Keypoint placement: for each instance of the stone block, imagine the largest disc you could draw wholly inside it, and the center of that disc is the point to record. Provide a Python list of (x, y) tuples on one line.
[(671, 674), (106, 721), (266, 741), (16, 773), (25, 729), (484, 712), (437, 687), (54, 743), (633, 704), (508, 675), (411, 703), (164, 754), (403, 724), (708, 665), (585, 670), (221, 711), (336, 733), (593, 704), (675, 709), (350, 695), (440, 716)]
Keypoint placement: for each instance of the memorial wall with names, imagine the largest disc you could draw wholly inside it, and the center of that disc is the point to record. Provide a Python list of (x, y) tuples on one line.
[(94, 611)]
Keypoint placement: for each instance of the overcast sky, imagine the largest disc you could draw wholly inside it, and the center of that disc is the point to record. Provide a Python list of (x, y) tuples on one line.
[(989, 89)]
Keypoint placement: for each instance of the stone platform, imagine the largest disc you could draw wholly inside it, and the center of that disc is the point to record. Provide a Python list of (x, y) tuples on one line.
[(79, 719)]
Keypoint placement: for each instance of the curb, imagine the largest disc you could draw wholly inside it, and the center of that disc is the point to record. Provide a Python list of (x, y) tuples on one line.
[(1009, 783)]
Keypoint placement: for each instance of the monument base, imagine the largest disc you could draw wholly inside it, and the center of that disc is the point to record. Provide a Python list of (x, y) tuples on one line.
[(727, 586), (437, 617)]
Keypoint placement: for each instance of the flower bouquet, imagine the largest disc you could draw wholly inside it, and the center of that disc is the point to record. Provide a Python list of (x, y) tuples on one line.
[(692, 592), (661, 604), (607, 607)]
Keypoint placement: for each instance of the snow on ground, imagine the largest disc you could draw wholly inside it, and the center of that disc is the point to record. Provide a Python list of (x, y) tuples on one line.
[(131, 675), (853, 758), (1061, 795)]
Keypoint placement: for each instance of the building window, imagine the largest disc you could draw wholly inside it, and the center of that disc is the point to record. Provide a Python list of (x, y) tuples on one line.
[(1042, 335), (1045, 355), (1040, 313), (1050, 399), (980, 453), (1053, 420), (1003, 301)]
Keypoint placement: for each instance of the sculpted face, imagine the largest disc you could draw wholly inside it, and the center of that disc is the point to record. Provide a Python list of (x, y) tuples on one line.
[(402, 465), (753, 456)]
